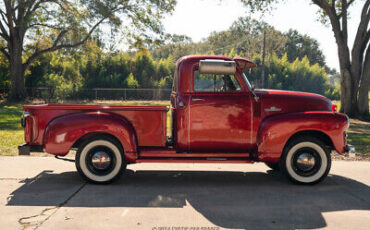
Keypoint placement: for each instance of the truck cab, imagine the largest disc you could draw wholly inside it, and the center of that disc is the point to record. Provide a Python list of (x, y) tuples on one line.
[(212, 106), (216, 117)]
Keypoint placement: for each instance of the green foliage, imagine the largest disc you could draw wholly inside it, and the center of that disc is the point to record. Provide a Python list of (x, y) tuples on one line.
[(67, 73), (51, 25), (260, 5), (4, 74), (231, 53), (59, 87), (293, 62), (333, 92), (131, 82), (30, 29), (144, 68), (298, 75)]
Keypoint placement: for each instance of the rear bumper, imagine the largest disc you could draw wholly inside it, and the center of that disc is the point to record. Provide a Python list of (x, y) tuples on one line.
[(26, 149), (349, 149)]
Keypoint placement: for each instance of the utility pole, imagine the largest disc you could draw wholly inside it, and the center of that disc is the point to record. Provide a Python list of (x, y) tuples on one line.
[(263, 60)]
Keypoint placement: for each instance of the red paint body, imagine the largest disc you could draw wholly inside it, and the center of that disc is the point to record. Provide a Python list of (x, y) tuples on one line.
[(208, 127)]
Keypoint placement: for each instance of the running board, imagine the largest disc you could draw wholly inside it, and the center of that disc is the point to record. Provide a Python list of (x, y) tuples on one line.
[(194, 160), (155, 154)]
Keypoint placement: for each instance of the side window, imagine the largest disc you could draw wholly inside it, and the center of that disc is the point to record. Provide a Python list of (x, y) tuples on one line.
[(215, 82)]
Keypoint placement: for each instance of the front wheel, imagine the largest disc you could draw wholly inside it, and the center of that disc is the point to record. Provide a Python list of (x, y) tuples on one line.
[(100, 160), (306, 160)]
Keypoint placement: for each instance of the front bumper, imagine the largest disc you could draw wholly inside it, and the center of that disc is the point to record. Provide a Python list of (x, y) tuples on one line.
[(25, 149), (349, 149)]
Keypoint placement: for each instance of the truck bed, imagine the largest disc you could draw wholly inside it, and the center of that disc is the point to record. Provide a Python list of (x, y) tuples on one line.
[(149, 122)]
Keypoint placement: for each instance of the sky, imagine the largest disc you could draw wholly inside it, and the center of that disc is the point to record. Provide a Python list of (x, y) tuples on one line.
[(198, 18)]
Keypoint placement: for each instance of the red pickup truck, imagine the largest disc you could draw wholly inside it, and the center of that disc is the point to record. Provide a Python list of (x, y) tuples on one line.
[(216, 117)]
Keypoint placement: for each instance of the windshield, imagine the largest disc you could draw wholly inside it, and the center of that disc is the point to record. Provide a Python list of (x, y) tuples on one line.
[(247, 82)]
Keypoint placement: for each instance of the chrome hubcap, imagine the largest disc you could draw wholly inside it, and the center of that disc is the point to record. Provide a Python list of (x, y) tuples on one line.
[(101, 160), (305, 162)]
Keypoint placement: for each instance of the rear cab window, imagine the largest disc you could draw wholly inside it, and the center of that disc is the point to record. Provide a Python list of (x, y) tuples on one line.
[(215, 82)]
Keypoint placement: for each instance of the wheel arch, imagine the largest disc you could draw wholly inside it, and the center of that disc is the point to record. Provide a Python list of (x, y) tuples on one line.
[(92, 135), (311, 133), (276, 131), (69, 131)]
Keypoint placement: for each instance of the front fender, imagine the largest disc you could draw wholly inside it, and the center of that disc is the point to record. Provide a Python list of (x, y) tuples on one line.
[(62, 132), (275, 131)]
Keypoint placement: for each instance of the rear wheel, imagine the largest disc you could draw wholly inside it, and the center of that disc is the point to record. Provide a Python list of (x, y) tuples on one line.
[(100, 160), (306, 160)]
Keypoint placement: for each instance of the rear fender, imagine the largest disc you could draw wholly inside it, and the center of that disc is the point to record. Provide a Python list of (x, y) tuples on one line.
[(275, 131), (63, 132)]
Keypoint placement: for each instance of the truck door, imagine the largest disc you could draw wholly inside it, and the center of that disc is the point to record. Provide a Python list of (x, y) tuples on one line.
[(220, 118)]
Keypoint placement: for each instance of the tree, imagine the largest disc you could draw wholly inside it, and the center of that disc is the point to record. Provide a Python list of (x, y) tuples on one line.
[(298, 46), (354, 64), (297, 75), (30, 28), (144, 68), (245, 36)]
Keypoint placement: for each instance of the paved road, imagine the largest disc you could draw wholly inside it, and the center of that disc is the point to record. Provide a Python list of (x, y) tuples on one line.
[(45, 193)]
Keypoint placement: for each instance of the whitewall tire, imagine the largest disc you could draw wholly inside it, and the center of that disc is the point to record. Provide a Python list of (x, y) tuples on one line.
[(306, 160), (100, 160)]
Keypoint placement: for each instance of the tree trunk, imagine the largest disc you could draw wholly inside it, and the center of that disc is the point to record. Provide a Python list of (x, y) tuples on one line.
[(346, 96), (363, 100), (363, 97), (348, 79), (17, 92)]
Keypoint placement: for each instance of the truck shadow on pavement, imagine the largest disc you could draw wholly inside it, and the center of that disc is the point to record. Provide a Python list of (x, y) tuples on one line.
[(248, 200)]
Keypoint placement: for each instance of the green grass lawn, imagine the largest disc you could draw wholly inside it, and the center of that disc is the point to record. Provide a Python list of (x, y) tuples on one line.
[(11, 132), (358, 133)]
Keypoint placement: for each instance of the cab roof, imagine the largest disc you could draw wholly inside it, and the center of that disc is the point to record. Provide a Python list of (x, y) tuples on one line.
[(185, 68), (241, 62)]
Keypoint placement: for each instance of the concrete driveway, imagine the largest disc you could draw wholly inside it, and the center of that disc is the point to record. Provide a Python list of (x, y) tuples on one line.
[(45, 193)]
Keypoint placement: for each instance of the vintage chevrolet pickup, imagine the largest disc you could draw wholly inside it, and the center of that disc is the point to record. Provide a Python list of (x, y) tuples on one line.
[(217, 116)]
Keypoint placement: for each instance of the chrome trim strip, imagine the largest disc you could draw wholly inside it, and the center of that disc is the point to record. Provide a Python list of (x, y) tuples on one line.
[(273, 109), (252, 117), (189, 125)]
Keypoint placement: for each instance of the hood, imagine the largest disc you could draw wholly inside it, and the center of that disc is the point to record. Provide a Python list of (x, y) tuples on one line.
[(282, 101)]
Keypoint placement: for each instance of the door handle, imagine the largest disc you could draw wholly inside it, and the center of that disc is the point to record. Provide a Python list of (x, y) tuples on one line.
[(197, 99)]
